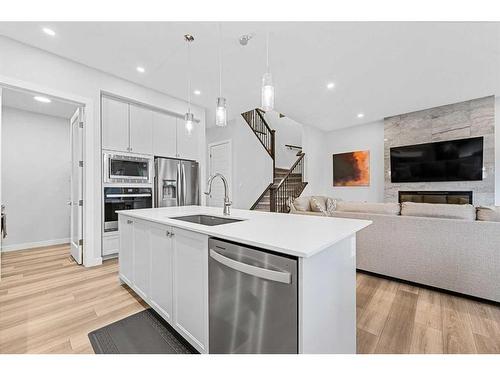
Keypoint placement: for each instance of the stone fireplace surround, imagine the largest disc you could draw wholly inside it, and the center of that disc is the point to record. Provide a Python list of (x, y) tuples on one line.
[(473, 118)]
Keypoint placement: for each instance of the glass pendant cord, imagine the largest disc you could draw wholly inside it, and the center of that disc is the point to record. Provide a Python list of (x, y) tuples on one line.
[(189, 72), (267, 52), (220, 61)]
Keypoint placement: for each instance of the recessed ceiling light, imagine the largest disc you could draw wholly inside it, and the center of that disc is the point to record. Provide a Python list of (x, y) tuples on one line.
[(140, 69), (197, 92), (48, 31), (42, 99), (361, 115), (330, 85)]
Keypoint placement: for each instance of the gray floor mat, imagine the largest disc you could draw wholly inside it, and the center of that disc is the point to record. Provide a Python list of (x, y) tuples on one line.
[(142, 333)]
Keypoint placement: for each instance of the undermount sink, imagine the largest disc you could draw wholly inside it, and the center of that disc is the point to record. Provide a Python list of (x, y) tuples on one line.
[(206, 219)]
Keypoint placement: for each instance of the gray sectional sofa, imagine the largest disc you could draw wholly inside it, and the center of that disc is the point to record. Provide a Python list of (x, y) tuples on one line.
[(443, 246)]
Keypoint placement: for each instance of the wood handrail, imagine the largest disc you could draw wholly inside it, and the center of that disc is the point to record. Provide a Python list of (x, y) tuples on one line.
[(267, 136), (261, 196), (261, 112), (290, 170)]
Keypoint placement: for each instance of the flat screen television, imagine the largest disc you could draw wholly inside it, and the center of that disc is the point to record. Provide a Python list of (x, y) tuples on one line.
[(458, 160)]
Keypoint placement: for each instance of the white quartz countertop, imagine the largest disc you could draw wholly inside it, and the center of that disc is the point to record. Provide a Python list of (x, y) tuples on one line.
[(298, 235)]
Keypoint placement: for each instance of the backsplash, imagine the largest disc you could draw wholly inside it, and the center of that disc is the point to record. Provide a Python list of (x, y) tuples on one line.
[(473, 118)]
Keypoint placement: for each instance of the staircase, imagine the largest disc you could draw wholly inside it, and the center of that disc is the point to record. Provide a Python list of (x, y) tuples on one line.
[(288, 184)]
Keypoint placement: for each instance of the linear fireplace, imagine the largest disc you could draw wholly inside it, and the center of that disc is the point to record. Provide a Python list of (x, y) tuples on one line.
[(446, 197)]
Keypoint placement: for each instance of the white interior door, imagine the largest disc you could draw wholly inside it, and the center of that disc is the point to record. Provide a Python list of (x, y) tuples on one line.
[(76, 201), (1, 201), (220, 162)]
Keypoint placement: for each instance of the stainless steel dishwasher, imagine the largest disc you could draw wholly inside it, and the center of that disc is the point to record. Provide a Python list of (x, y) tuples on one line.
[(253, 300)]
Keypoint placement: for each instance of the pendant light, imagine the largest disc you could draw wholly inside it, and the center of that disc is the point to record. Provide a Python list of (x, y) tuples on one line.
[(267, 91), (188, 117), (220, 110)]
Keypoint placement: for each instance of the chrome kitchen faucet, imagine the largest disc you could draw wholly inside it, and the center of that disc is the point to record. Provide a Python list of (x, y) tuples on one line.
[(227, 202)]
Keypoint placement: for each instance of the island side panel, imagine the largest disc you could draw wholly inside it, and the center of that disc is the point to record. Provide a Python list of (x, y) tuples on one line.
[(327, 300)]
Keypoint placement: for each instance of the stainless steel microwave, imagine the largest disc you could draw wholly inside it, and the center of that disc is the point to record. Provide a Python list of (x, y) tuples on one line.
[(127, 169)]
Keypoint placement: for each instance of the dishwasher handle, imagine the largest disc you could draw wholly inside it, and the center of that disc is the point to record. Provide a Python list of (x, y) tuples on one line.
[(263, 273)]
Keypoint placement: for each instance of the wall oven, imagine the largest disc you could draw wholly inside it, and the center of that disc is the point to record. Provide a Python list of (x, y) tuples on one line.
[(127, 169), (124, 198)]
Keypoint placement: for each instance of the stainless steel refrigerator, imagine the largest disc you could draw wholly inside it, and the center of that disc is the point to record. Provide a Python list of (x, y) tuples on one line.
[(177, 182)]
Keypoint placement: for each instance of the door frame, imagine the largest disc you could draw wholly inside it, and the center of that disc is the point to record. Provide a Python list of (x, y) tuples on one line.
[(218, 143), (76, 249), (89, 140)]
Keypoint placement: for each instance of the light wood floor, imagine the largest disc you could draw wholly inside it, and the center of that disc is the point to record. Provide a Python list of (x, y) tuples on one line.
[(48, 304), (394, 317)]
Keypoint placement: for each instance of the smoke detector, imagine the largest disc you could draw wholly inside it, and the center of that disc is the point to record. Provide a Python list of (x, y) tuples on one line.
[(245, 38)]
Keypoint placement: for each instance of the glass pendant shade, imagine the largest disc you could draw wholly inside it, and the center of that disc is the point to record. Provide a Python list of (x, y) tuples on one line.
[(267, 92), (189, 118), (221, 112)]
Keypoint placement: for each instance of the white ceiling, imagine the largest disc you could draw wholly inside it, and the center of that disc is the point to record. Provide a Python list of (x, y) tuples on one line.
[(24, 100), (379, 68)]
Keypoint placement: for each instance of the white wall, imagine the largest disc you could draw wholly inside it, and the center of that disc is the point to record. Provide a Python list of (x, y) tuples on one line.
[(313, 145), (497, 151), (35, 178), (48, 73), (251, 165), (288, 132), (358, 138)]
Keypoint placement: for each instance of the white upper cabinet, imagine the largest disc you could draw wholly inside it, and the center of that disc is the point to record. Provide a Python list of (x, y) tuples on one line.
[(164, 135), (141, 130), (161, 271), (115, 134), (190, 296), (132, 128)]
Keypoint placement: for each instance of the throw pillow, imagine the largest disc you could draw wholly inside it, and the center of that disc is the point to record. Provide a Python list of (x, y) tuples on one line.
[(331, 205), (316, 205), (302, 204)]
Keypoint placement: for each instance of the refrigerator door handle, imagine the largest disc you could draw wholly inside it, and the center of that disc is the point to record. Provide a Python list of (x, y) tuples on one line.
[(179, 191), (184, 186)]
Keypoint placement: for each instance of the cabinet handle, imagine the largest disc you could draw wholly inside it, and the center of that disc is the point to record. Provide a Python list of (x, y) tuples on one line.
[(168, 233), (129, 222)]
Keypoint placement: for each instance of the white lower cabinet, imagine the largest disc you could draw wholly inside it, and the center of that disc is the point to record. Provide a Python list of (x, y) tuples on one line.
[(126, 257), (191, 286), (168, 268), (142, 258), (161, 272)]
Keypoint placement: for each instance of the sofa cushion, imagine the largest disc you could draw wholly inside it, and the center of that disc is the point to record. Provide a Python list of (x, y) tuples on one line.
[(302, 204), (372, 208), (443, 211), (488, 213), (318, 204)]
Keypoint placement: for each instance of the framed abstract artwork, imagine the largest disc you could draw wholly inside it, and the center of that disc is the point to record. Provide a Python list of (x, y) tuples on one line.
[(351, 169)]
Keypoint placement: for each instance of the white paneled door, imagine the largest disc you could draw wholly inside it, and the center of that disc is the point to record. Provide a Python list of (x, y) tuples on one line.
[(1, 202), (220, 162), (76, 201)]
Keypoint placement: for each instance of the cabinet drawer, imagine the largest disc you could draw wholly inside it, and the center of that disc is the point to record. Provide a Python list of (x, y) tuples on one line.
[(110, 245)]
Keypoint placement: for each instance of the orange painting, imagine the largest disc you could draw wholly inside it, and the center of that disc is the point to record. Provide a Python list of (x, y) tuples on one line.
[(351, 169)]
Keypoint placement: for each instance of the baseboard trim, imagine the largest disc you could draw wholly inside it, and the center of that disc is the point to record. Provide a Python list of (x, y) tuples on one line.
[(34, 245), (457, 294)]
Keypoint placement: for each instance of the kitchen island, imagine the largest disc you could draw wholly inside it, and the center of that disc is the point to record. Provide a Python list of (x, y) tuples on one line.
[(165, 260)]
